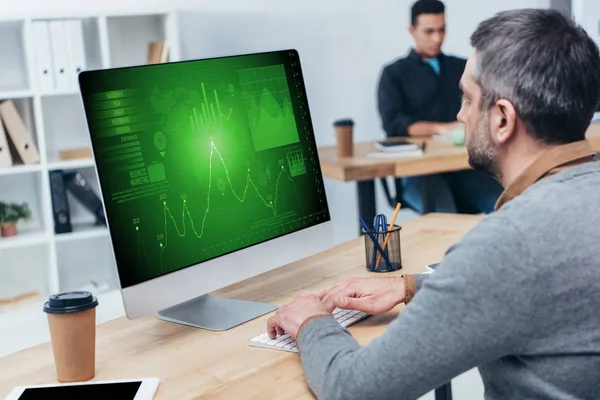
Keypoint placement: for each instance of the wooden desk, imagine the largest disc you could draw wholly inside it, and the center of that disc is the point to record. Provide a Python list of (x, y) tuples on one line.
[(439, 157), (198, 364)]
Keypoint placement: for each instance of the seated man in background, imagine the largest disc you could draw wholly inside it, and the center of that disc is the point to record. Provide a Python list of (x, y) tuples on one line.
[(419, 96), (517, 296)]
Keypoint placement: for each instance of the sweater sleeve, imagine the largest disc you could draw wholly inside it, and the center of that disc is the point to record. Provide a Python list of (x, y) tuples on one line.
[(420, 280), (467, 313), (391, 106)]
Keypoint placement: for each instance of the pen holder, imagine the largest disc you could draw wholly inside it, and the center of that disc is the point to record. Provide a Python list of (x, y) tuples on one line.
[(375, 241)]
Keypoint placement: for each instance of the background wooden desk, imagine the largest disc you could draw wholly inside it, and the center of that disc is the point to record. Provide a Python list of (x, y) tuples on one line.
[(198, 364), (439, 157)]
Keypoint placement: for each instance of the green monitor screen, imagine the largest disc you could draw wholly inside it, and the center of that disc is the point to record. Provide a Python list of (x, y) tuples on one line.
[(198, 159)]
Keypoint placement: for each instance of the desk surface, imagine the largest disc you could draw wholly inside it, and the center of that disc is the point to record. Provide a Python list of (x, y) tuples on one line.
[(198, 364), (438, 157)]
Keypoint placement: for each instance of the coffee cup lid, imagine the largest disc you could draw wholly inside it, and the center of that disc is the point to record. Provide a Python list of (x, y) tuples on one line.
[(70, 302), (344, 122)]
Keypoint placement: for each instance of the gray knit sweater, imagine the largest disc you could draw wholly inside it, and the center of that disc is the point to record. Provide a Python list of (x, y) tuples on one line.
[(518, 297)]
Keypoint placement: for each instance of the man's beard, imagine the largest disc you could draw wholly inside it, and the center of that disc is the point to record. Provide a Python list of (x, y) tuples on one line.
[(483, 155)]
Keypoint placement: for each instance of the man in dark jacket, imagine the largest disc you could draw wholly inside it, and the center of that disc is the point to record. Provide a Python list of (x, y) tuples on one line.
[(419, 96)]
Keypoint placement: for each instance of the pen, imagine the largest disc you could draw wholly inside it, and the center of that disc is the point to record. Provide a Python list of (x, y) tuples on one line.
[(387, 237), (375, 243)]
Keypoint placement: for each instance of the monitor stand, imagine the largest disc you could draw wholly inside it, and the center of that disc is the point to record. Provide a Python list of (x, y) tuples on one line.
[(214, 313)]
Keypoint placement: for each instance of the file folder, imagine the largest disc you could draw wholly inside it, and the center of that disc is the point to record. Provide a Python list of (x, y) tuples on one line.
[(5, 157), (60, 203), (60, 56), (19, 134), (43, 55), (76, 50)]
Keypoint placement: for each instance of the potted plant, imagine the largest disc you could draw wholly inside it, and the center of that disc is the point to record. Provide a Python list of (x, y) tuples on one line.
[(10, 214)]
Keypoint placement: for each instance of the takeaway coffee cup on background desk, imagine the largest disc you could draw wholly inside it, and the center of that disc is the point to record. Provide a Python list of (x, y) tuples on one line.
[(344, 137), (72, 322)]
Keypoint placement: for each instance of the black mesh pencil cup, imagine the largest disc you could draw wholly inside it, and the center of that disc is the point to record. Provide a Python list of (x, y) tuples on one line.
[(382, 249)]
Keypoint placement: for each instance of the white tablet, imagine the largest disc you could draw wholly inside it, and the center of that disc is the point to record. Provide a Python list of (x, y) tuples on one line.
[(125, 389)]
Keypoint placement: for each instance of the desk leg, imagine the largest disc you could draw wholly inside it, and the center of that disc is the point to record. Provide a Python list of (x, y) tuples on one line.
[(366, 202), (444, 392)]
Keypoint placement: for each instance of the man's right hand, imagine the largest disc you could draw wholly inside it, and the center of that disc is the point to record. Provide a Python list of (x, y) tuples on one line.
[(370, 295)]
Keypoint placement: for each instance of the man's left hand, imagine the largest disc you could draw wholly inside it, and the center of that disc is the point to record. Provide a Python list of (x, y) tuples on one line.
[(289, 318)]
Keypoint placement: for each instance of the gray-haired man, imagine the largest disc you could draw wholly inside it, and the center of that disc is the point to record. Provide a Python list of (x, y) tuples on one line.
[(518, 296)]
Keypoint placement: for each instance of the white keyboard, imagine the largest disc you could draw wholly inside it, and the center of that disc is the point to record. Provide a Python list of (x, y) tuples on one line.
[(286, 343)]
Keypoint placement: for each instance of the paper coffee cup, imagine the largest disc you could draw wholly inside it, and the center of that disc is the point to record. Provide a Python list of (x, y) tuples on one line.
[(344, 137), (72, 322)]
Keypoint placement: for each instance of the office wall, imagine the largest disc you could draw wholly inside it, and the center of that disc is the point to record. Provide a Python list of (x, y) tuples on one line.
[(564, 5), (587, 13), (343, 46)]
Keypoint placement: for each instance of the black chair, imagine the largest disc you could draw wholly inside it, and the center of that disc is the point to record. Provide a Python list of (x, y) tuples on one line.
[(393, 200), (462, 208)]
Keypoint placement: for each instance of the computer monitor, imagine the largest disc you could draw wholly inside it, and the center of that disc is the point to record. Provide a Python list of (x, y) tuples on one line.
[(209, 175)]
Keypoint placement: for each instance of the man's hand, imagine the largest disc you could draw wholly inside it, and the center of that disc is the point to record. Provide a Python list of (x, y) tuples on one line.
[(370, 295), (288, 318)]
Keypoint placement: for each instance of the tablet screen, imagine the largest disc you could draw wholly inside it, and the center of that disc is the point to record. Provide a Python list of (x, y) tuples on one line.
[(121, 390)]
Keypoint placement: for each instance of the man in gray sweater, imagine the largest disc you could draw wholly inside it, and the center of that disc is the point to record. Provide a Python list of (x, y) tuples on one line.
[(518, 296)]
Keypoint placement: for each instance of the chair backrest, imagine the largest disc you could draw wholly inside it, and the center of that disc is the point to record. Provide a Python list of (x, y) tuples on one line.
[(398, 197)]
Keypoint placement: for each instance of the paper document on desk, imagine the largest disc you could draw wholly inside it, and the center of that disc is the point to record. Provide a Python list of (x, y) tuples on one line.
[(400, 154), (442, 138)]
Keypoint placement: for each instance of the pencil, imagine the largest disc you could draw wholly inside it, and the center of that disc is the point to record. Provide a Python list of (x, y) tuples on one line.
[(387, 236)]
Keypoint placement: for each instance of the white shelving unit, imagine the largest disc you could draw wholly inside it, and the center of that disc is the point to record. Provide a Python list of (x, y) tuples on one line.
[(38, 259)]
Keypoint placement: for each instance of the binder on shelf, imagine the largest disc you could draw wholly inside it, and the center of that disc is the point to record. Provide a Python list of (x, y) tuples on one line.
[(5, 156), (18, 133), (75, 49), (76, 183), (60, 56), (43, 55), (158, 52), (60, 203)]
